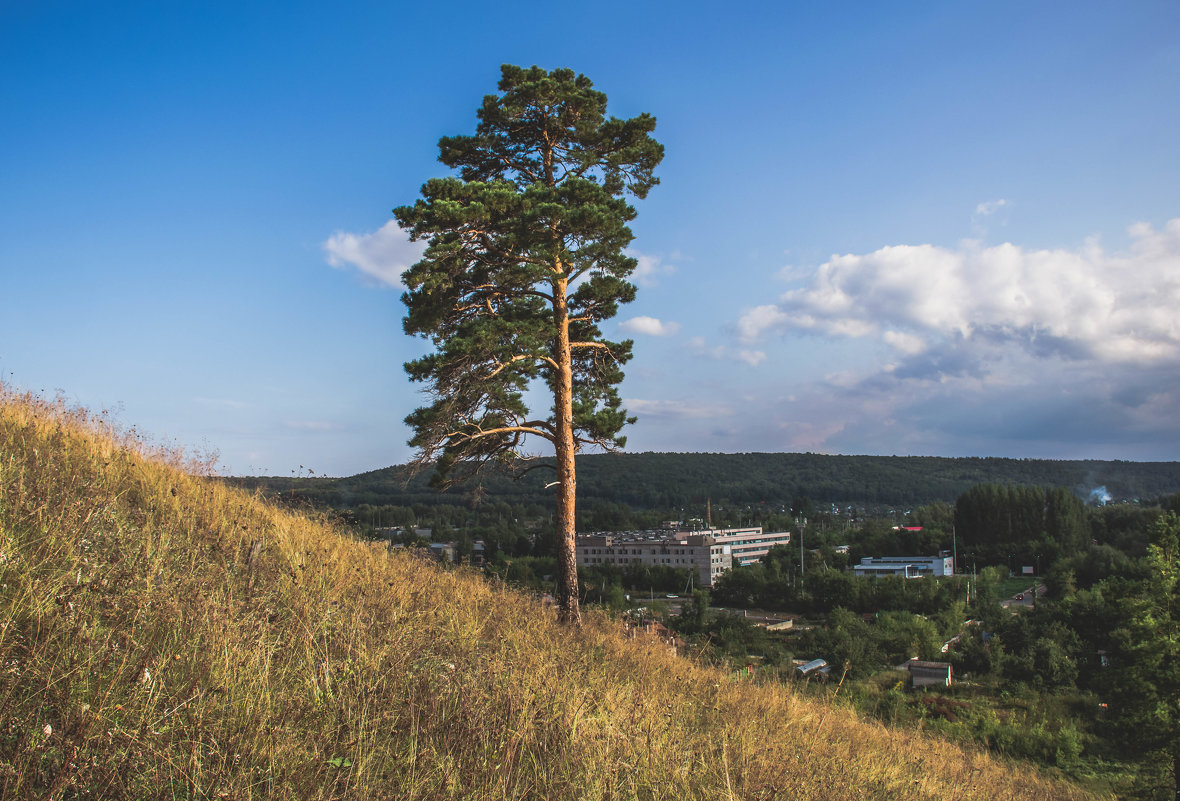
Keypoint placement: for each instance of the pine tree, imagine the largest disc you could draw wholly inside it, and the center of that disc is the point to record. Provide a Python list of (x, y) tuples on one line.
[(1145, 689), (525, 259)]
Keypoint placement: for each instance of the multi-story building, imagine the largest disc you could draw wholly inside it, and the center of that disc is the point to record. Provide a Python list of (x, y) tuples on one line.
[(700, 554), (710, 552), (749, 545)]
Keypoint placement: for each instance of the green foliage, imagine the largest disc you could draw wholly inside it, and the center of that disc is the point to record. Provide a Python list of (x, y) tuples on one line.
[(776, 584), (1145, 691), (869, 646), (729, 638), (1029, 524), (694, 614)]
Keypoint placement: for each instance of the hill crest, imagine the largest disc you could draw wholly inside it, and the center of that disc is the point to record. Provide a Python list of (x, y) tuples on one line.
[(168, 636)]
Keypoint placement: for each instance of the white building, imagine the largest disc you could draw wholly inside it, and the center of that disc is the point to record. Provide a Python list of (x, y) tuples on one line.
[(710, 552), (749, 545), (908, 566), (701, 554)]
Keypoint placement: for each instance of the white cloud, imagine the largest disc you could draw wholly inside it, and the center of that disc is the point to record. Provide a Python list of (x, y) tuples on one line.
[(649, 269), (756, 321), (1083, 304), (990, 207), (700, 347), (751, 357), (906, 343), (382, 255), (649, 326)]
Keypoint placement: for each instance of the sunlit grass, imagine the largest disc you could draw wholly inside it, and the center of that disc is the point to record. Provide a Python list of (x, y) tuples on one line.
[(164, 636)]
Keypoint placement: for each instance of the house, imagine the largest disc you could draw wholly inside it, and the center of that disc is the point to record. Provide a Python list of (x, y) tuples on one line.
[(443, 551)]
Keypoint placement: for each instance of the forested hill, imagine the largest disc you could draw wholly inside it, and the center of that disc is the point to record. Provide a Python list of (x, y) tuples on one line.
[(672, 480)]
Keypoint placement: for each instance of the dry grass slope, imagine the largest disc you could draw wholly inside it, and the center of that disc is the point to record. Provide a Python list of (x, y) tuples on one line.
[(162, 636)]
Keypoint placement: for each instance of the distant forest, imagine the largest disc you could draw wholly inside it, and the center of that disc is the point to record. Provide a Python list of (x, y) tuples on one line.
[(776, 480)]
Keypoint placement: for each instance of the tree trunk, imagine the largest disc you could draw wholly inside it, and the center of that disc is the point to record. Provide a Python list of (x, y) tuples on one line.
[(1176, 768), (563, 408)]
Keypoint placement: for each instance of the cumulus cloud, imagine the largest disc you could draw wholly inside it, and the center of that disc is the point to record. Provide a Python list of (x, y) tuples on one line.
[(649, 326), (983, 350), (382, 255), (1085, 304), (756, 321)]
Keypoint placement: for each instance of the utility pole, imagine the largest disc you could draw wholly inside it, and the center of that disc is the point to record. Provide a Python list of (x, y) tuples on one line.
[(802, 565)]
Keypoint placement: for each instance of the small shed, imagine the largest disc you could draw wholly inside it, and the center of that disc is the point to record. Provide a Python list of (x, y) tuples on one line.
[(925, 674)]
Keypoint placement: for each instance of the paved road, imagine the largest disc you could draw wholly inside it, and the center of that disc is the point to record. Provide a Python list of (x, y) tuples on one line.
[(1025, 598)]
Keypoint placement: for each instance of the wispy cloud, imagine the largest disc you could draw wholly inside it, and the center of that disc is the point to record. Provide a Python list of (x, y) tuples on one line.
[(382, 255), (650, 268), (313, 426), (752, 357), (700, 347), (676, 409), (990, 207), (650, 326)]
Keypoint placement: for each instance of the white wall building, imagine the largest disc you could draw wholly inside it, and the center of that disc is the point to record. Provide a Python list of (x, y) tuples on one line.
[(702, 554), (749, 545), (710, 552), (908, 566)]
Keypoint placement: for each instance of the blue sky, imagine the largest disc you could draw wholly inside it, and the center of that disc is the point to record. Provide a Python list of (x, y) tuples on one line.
[(930, 228)]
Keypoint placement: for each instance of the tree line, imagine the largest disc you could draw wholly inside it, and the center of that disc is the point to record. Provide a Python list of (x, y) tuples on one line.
[(763, 482)]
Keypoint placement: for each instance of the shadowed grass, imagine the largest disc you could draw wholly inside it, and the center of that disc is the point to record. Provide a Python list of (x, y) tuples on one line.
[(164, 636)]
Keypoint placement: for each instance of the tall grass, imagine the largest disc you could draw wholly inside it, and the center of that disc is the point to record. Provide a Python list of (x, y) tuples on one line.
[(163, 636)]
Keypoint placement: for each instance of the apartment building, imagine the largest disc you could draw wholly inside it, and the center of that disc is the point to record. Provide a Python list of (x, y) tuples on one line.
[(701, 554), (748, 545), (710, 552)]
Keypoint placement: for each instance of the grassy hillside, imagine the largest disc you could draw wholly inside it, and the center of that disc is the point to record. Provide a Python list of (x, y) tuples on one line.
[(166, 636)]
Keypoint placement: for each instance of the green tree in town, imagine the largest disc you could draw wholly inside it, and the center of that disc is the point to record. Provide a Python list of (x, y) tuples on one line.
[(525, 259)]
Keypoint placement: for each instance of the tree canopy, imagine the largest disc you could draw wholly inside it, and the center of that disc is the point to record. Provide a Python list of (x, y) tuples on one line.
[(525, 259)]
